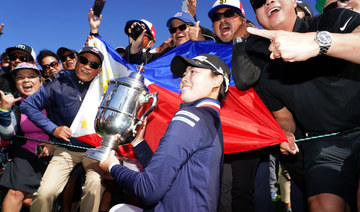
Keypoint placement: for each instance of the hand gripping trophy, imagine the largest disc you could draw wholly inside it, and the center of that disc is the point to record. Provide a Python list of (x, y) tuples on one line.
[(119, 111)]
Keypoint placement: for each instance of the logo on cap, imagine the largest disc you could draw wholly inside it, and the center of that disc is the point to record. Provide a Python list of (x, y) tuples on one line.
[(222, 2), (95, 50), (201, 58), (20, 46), (178, 14)]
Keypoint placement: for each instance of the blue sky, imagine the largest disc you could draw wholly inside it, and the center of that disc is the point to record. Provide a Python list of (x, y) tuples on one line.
[(50, 24)]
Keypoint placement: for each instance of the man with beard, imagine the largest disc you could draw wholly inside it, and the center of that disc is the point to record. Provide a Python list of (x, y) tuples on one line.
[(242, 193)]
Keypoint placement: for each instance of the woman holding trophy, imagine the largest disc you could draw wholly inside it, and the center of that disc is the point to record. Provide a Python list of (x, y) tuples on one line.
[(184, 172)]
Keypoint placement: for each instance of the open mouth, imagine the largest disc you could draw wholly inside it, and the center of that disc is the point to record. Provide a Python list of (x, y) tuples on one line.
[(180, 36), (27, 88), (273, 11), (225, 28)]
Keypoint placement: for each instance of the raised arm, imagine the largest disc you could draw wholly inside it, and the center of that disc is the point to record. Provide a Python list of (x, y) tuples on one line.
[(94, 22)]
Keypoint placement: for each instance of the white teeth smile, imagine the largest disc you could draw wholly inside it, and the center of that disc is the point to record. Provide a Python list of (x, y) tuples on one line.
[(185, 87), (272, 10), (27, 88), (85, 72)]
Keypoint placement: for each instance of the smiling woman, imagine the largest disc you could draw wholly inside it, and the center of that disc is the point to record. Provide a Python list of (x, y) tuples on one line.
[(27, 81), (189, 158), (25, 162)]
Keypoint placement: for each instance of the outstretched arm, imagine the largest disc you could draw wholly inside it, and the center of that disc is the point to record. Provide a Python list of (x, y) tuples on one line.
[(294, 46)]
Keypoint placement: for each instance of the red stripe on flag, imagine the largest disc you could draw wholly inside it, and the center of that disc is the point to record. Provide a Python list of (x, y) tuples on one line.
[(92, 139), (159, 119), (246, 122)]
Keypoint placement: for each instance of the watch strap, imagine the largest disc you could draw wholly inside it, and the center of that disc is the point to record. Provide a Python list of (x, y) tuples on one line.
[(238, 40)]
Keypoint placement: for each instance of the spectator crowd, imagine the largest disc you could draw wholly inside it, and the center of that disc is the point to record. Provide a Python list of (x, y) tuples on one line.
[(304, 67)]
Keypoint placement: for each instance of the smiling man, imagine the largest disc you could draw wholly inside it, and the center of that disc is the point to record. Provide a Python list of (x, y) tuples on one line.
[(64, 97), (310, 79), (227, 17), (68, 57), (238, 192), (179, 27)]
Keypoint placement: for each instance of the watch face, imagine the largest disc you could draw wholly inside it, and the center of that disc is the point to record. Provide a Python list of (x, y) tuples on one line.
[(324, 38)]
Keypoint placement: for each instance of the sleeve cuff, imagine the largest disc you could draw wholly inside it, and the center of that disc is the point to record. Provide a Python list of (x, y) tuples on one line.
[(112, 165)]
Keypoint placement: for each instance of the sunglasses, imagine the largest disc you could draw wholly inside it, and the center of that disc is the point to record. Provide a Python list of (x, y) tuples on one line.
[(71, 56), (344, 1), (182, 27), (226, 14), (52, 64), (257, 3), (84, 61), (21, 58)]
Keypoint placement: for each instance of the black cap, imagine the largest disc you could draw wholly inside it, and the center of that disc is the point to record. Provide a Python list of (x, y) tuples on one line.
[(305, 7), (24, 48), (93, 50), (120, 49), (60, 52), (179, 63)]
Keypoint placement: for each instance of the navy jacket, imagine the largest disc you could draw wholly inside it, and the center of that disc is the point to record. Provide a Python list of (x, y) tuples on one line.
[(184, 172), (63, 98)]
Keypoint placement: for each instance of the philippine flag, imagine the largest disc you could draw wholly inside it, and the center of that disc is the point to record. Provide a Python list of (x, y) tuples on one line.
[(246, 122)]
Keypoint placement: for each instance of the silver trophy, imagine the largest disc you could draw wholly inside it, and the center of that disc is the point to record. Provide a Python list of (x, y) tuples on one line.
[(119, 113)]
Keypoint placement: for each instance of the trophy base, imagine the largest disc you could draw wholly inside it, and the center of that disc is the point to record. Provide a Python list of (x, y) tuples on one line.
[(96, 154), (102, 152)]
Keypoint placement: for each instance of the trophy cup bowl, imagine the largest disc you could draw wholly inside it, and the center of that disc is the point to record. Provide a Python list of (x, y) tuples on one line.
[(119, 112)]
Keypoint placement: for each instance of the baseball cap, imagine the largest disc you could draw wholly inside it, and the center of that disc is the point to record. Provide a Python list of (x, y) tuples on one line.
[(150, 30), (233, 4), (305, 7), (120, 49), (24, 48), (60, 52), (184, 16), (25, 66), (93, 50), (179, 63)]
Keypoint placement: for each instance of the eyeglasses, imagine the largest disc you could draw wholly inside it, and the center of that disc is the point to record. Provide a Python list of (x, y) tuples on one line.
[(182, 27), (257, 3), (21, 58), (71, 56), (52, 64), (226, 14), (84, 61)]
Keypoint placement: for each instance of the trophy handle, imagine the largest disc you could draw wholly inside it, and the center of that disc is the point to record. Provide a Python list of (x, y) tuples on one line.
[(151, 109)]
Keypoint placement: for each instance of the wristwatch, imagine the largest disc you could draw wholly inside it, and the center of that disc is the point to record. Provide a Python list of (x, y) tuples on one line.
[(238, 40), (324, 39)]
